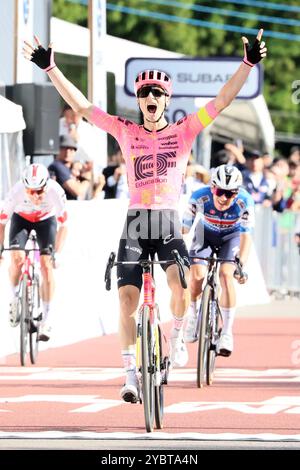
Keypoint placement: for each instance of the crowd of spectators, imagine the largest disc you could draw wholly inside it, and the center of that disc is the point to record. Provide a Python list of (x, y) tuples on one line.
[(271, 182)]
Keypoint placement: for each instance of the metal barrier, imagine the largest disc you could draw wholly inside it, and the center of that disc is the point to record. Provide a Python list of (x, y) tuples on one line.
[(274, 238)]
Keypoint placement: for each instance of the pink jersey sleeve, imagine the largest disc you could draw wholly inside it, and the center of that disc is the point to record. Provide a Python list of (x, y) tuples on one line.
[(106, 122), (196, 122), (206, 115)]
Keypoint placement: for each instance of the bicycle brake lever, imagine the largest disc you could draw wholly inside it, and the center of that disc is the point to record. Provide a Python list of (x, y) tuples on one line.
[(179, 263), (109, 266)]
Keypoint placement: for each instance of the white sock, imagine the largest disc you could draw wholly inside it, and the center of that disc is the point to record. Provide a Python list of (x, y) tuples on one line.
[(47, 310), (177, 326), (129, 360), (228, 319), (14, 291), (193, 308)]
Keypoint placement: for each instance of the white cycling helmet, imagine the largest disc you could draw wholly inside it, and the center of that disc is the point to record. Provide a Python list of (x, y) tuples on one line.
[(35, 176), (153, 77), (227, 177)]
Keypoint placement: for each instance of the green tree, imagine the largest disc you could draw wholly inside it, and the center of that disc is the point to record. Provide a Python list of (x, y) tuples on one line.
[(281, 68), (70, 11)]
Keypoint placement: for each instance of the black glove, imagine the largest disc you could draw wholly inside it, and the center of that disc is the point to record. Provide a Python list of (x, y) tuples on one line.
[(252, 54), (43, 58)]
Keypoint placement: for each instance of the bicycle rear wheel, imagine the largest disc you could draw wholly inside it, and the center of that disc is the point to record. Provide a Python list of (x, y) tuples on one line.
[(23, 319), (159, 389), (203, 340), (34, 320), (148, 368)]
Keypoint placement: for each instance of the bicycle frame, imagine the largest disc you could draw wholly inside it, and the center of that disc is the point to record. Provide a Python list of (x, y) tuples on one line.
[(27, 302), (210, 319), (151, 363), (149, 301)]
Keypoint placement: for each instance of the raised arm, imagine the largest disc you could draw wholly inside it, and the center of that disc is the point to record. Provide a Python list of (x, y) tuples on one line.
[(45, 60), (252, 55)]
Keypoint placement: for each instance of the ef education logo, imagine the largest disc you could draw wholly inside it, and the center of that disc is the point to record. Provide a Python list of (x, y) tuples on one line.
[(26, 10)]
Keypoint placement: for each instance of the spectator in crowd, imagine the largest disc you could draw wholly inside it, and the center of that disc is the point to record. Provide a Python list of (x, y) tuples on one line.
[(86, 137), (116, 178), (293, 201), (267, 159), (255, 181), (196, 177), (98, 187), (282, 191), (231, 154), (297, 233), (60, 170), (295, 155)]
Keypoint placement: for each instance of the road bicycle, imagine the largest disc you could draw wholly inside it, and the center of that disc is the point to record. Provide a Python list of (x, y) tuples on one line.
[(152, 359), (29, 309), (209, 320)]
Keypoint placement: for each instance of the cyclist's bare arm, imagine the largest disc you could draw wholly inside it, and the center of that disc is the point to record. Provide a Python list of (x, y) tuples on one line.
[(70, 93), (65, 88), (245, 245), (60, 238), (2, 230), (236, 82)]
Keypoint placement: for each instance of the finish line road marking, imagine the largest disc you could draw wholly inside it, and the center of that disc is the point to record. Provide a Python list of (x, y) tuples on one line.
[(94, 403), (289, 404), (95, 374)]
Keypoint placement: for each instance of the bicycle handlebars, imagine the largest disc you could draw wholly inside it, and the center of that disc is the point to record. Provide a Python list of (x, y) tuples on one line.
[(144, 263), (239, 267)]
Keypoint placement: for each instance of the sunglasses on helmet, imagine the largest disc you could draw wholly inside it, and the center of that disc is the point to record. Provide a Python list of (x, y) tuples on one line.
[(224, 192), (156, 92), (36, 191)]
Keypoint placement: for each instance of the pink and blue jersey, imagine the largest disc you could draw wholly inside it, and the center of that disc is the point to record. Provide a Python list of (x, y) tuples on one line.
[(238, 218), (155, 161)]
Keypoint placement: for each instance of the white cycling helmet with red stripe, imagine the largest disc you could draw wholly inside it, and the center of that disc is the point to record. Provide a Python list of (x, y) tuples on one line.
[(153, 77), (35, 176)]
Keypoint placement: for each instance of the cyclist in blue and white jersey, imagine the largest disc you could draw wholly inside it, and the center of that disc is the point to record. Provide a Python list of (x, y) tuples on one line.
[(226, 217)]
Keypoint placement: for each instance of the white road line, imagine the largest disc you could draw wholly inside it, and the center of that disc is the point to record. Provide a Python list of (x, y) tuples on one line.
[(194, 436)]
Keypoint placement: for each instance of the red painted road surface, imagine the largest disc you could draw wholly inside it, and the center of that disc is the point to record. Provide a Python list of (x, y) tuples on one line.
[(76, 388)]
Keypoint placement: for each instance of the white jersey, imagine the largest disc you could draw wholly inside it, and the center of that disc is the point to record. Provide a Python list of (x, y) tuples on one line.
[(53, 204)]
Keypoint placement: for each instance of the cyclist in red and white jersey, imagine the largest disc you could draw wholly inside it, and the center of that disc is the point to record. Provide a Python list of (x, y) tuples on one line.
[(156, 154), (34, 203)]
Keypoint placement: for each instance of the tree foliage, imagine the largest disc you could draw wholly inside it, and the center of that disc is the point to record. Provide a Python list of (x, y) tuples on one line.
[(282, 66)]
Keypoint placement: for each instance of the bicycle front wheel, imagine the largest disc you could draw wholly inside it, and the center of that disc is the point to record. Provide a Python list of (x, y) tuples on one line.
[(214, 336), (23, 299), (203, 341), (148, 368), (34, 320), (159, 389)]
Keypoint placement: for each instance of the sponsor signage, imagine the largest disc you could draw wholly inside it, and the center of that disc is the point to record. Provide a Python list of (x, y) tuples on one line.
[(195, 77)]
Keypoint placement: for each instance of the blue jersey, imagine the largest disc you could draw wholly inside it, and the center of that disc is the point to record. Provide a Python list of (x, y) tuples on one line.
[(239, 217)]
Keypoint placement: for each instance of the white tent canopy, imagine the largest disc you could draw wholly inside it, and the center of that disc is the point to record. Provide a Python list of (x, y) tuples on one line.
[(11, 146), (11, 117)]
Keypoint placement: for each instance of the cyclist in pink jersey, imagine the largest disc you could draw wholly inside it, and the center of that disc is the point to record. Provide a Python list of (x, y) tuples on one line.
[(156, 155), (34, 203)]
